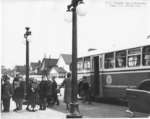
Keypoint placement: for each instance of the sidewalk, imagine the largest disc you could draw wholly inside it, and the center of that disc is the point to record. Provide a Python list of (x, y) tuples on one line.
[(23, 114)]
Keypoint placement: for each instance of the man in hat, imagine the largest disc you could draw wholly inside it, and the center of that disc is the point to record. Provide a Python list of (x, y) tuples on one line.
[(6, 93)]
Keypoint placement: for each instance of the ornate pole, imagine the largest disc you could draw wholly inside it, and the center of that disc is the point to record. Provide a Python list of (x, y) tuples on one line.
[(27, 56), (74, 106)]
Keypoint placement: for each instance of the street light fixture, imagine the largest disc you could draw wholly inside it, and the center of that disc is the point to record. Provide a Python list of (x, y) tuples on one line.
[(27, 33), (74, 106)]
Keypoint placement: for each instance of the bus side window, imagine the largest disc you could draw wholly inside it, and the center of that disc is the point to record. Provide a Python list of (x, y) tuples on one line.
[(147, 60), (87, 65), (146, 56), (134, 61), (109, 60), (134, 57), (79, 66), (100, 63), (121, 59)]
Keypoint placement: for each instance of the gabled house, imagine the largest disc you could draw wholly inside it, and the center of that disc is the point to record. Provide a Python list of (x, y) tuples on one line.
[(47, 64), (59, 73), (35, 67), (64, 61)]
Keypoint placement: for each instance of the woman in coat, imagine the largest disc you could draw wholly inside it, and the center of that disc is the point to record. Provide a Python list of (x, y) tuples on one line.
[(67, 92)]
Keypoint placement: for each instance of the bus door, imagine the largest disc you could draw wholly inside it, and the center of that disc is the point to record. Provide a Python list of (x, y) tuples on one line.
[(96, 75), (100, 76)]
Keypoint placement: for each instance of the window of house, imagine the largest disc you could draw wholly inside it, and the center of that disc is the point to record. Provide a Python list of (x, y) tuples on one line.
[(146, 56), (134, 57), (61, 75), (109, 60), (121, 58)]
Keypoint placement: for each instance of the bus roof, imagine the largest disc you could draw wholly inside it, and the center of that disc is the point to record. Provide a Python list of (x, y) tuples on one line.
[(112, 49)]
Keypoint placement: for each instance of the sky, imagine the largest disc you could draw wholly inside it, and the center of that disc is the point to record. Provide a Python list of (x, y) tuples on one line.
[(108, 24)]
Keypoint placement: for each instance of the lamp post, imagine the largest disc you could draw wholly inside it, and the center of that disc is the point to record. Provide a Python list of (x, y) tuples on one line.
[(74, 106), (27, 33)]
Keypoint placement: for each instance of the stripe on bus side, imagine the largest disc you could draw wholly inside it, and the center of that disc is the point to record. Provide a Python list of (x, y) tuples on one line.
[(118, 72), (124, 72)]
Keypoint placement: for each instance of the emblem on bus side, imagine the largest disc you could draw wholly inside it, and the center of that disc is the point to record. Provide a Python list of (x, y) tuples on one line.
[(108, 79)]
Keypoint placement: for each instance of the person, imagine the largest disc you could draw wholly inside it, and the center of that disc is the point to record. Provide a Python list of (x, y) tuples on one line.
[(18, 95), (6, 93), (54, 90), (67, 92), (87, 90), (43, 93), (34, 95), (49, 94), (80, 89), (28, 95), (2, 84)]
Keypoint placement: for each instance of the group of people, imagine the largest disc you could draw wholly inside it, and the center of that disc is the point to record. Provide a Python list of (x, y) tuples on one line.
[(43, 93)]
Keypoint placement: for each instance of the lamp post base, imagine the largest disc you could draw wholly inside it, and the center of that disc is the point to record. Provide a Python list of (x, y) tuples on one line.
[(74, 111)]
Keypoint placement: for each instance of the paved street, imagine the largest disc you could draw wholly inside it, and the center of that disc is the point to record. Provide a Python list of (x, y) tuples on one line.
[(95, 110)]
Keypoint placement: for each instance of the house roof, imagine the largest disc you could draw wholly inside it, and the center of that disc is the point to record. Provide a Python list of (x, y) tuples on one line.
[(34, 65), (20, 68), (67, 58), (60, 69), (49, 62)]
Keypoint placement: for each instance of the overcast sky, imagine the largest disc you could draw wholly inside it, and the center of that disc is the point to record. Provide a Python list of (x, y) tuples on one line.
[(104, 27)]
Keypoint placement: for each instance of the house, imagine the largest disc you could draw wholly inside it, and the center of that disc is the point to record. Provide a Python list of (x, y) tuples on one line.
[(47, 64), (58, 72), (21, 69), (64, 61), (8, 71), (35, 67)]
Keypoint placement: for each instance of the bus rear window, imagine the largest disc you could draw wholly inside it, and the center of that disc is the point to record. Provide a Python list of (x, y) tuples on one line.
[(109, 60), (146, 56)]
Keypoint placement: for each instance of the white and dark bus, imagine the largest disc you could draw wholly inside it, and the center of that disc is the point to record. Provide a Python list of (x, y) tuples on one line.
[(111, 73)]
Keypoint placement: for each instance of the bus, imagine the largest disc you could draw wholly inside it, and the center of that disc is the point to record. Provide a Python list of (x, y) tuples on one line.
[(111, 73)]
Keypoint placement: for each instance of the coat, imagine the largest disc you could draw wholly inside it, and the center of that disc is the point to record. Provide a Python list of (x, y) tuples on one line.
[(67, 92), (7, 90), (34, 97), (43, 89), (54, 88), (18, 93), (49, 89)]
